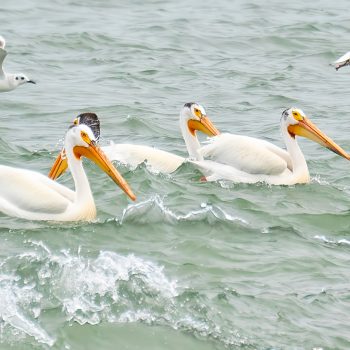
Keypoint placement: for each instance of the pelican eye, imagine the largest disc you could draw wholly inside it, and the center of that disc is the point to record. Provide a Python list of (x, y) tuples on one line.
[(76, 121), (198, 113), (297, 116), (85, 137)]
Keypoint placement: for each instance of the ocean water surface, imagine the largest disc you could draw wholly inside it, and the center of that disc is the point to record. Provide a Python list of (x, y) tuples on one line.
[(189, 265)]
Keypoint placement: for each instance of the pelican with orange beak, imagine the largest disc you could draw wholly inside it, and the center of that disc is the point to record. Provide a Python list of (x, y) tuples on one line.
[(33, 196), (249, 160), (193, 118)]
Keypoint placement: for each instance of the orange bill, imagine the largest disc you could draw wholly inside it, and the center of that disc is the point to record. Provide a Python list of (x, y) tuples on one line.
[(204, 125), (309, 130), (60, 166), (95, 153)]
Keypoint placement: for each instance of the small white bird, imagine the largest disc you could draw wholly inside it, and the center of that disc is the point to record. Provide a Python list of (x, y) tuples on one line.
[(10, 81), (342, 61)]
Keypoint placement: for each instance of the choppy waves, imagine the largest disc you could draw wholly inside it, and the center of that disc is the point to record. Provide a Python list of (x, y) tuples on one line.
[(108, 287), (154, 210)]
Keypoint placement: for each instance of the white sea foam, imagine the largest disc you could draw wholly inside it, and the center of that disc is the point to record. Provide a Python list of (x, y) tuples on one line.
[(318, 180), (154, 210), (88, 288), (14, 306), (332, 241), (108, 287)]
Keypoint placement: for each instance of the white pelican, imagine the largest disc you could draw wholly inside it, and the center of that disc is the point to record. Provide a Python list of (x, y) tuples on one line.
[(249, 160), (33, 196), (342, 61), (9, 81), (192, 118)]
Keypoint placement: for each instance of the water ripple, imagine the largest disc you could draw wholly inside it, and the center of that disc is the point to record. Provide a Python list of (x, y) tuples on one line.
[(154, 210)]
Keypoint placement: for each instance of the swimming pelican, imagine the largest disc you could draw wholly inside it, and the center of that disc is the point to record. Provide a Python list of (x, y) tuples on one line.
[(342, 61), (33, 196), (8, 81), (250, 160), (192, 118)]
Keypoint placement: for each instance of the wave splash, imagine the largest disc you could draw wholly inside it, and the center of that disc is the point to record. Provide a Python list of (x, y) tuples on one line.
[(154, 210), (324, 239), (108, 287), (19, 311), (91, 290)]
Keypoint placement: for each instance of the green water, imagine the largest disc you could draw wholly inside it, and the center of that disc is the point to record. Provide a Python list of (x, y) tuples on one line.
[(190, 265)]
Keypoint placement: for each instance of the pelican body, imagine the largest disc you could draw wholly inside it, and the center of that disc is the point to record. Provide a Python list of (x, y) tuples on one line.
[(33, 196), (249, 160)]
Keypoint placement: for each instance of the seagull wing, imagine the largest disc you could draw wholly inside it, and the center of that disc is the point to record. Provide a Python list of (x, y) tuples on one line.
[(2, 42), (342, 61), (3, 54)]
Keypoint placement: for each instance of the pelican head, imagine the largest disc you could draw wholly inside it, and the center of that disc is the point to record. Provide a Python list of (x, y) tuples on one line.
[(91, 120), (194, 115), (296, 122), (61, 163), (81, 140), (20, 79), (342, 61)]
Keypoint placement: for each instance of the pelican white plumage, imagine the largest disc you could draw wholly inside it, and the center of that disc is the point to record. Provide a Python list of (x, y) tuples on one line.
[(192, 118), (10, 81), (33, 196), (342, 61), (250, 160)]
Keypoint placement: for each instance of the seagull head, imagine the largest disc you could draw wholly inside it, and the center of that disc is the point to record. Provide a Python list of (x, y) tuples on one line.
[(20, 79)]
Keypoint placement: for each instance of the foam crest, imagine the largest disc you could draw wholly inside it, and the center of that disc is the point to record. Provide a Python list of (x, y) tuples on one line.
[(90, 288), (332, 241), (318, 180), (154, 210), (18, 309)]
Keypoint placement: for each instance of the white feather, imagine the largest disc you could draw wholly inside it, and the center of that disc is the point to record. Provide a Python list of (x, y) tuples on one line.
[(25, 191), (133, 155), (247, 154)]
